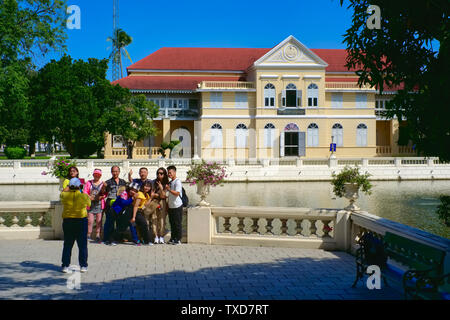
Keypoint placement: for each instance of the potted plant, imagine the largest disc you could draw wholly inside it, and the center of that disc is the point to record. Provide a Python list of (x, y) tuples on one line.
[(348, 182), (204, 175), (60, 168)]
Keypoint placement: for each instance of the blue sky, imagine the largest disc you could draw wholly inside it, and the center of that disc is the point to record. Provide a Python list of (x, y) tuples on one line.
[(231, 23)]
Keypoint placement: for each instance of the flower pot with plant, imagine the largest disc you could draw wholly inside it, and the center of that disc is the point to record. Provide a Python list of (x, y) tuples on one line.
[(59, 168), (347, 184), (204, 175)]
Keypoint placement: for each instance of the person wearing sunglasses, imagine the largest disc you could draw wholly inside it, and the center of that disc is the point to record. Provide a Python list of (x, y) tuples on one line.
[(158, 206)]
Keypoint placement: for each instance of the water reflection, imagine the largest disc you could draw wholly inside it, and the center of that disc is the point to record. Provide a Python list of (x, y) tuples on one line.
[(410, 202)]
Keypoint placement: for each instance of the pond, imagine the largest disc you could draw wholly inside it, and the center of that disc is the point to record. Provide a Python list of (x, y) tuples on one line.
[(409, 202)]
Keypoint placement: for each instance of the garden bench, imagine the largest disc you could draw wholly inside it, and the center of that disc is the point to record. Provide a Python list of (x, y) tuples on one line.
[(421, 273)]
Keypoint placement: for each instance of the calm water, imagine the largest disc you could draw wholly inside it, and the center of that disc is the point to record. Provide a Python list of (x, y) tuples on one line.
[(410, 202)]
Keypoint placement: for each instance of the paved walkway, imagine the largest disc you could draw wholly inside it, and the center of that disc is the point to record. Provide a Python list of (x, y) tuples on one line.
[(31, 270)]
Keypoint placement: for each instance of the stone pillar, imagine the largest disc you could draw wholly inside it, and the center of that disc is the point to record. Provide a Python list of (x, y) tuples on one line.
[(332, 161), (342, 231), (395, 133), (199, 225), (197, 139), (166, 130), (365, 162), (57, 221), (108, 145)]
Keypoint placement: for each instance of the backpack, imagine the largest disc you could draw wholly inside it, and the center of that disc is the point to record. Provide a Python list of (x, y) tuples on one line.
[(184, 198)]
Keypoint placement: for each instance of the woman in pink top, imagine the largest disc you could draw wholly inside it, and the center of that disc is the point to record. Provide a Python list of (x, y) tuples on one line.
[(93, 188)]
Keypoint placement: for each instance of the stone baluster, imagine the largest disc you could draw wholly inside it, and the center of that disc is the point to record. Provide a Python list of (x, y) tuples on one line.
[(255, 226), (28, 221), (227, 225), (41, 220), (326, 228), (15, 222), (284, 227), (269, 226), (313, 228), (241, 226), (298, 227)]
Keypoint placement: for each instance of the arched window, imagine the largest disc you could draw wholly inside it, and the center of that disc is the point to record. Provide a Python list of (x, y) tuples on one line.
[(338, 133), (291, 97), (313, 135), (313, 95), (269, 95), (269, 136), (361, 135), (216, 136), (241, 136)]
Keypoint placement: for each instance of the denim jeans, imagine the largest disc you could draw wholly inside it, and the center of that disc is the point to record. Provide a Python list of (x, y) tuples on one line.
[(75, 230), (175, 219)]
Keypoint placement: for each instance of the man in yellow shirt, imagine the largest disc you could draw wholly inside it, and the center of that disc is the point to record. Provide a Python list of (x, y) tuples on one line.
[(75, 224)]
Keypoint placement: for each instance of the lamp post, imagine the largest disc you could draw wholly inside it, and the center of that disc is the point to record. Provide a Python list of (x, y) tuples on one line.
[(332, 148)]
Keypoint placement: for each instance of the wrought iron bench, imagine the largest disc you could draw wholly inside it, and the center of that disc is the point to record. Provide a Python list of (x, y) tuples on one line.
[(424, 276)]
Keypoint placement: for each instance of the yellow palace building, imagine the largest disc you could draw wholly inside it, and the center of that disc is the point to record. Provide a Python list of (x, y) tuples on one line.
[(246, 103)]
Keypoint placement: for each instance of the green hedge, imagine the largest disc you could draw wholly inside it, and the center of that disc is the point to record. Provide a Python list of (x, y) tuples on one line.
[(15, 152)]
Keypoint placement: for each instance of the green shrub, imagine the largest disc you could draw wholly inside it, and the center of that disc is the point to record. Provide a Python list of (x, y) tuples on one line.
[(15, 152)]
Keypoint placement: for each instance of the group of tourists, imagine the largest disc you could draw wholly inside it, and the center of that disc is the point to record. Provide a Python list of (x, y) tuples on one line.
[(137, 209)]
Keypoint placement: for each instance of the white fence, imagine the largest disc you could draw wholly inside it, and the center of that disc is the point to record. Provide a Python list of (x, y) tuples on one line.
[(285, 169)]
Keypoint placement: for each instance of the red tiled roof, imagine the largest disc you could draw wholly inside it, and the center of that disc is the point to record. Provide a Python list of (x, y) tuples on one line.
[(336, 59), (167, 82), (225, 59)]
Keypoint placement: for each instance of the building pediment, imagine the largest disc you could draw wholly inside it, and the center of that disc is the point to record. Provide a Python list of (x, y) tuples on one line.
[(290, 53)]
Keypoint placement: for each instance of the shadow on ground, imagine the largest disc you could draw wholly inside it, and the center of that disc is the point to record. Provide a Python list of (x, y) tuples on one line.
[(284, 279)]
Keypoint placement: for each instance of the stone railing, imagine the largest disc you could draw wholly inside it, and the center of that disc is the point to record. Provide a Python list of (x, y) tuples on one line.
[(261, 226), (329, 229), (226, 85), (30, 220), (347, 86), (361, 222), (384, 150)]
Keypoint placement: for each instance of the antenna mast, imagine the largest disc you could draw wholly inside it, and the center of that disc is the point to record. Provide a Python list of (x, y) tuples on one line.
[(115, 61)]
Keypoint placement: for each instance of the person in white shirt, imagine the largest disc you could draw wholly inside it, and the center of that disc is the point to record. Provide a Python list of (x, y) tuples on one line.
[(174, 189)]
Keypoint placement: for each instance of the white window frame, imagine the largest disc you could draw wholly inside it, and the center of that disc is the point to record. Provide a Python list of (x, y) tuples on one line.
[(338, 132), (216, 99), (337, 100), (361, 135), (269, 136), (241, 136), (241, 99), (216, 136), (269, 94), (313, 135), (313, 95), (361, 100)]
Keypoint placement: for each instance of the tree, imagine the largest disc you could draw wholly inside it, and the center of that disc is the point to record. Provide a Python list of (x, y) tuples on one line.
[(73, 99), (27, 28), (120, 40), (403, 54), (134, 121)]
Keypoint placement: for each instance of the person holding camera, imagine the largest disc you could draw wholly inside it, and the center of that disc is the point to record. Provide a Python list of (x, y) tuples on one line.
[(75, 224)]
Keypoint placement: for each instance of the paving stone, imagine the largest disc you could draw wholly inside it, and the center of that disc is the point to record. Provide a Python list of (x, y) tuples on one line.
[(31, 270)]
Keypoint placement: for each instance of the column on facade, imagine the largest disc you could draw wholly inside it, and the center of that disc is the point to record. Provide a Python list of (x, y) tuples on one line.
[(166, 130), (197, 139), (395, 132)]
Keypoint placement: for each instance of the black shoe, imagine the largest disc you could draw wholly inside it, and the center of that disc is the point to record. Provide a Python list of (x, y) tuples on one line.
[(171, 241)]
